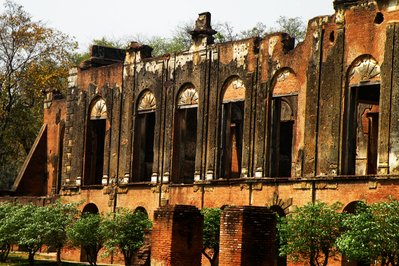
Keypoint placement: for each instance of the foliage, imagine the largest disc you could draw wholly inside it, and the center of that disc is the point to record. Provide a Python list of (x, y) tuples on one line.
[(32, 231), (58, 217), (86, 233), (126, 231), (309, 233), (372, 233), (295, 27), (8, 230), (33, 58), (211, 234)]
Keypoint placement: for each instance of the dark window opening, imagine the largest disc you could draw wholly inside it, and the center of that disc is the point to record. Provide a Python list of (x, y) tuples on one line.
[(94, 155), (144, 146), (283, 121), (231, 135), (362, 136), (184, 145)]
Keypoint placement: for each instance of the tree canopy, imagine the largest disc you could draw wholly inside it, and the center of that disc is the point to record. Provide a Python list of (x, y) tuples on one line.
[(372, 233), (125, 230), (33, 57), (309, 233)]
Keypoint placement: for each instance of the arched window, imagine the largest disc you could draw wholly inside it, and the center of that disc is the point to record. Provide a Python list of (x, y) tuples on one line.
[(95, 138), (362, 116), (231, 133), (143, 152), (185, 135), (283, 121), (284, 104)]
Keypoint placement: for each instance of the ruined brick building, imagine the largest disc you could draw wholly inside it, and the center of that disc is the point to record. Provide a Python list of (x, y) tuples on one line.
[(256, 122)]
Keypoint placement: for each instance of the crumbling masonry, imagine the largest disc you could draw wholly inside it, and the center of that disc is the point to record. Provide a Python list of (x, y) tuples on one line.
[(258, 122)]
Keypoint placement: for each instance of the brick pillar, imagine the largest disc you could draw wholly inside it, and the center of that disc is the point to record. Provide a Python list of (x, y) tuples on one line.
[(247, 236), (176, 236)]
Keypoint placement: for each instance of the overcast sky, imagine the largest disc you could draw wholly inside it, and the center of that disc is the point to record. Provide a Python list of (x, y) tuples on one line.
[(119, 19)]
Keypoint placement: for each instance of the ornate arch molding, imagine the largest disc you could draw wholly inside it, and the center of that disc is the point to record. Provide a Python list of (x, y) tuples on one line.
[(364, 69), (98, 109), (284, 204), (146, 102), (187, 97), (233, 90)]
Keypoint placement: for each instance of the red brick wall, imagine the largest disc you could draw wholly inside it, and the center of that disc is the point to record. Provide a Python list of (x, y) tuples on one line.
[(177, 236), (247, 236)]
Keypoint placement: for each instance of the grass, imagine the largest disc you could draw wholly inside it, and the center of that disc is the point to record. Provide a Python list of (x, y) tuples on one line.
[(21, 259)]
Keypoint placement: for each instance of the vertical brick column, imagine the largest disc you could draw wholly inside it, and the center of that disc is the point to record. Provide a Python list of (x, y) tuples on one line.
[(247, 236), (176, 236)]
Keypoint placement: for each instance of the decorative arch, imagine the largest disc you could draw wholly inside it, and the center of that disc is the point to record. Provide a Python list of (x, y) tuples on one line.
[(364, 69), (147, 101), (185, 135), (98, 109), (95, 142), (188, 96)]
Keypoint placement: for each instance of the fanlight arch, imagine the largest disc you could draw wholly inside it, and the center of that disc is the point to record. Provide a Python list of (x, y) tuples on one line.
[(188, 96), (147, 101), (98, 109), (364, 68)]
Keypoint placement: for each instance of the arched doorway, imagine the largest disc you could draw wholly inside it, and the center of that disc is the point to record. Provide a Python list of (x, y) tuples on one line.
[(185, 135), (362, 117), (95, 139), (144, 132), (232, 126)]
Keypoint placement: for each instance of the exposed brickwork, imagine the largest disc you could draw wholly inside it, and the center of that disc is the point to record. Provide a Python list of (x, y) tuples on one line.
[(176, 236), (247, 236)]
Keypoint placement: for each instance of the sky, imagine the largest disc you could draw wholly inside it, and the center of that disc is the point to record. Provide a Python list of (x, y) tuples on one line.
[(123, 19)]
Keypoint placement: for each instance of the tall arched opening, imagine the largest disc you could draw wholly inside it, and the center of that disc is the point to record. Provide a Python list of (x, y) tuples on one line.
[(360, 151), (185, 135), (144, 132), (232, 126), (95, 140)]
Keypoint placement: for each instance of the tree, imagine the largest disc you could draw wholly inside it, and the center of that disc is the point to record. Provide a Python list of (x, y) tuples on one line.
[(211, 234), (8, 229), (372, 233), (58, 217), (295, 27), (29, 221), (33, 57), (85, 233), (309, 233), (125, 230)]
